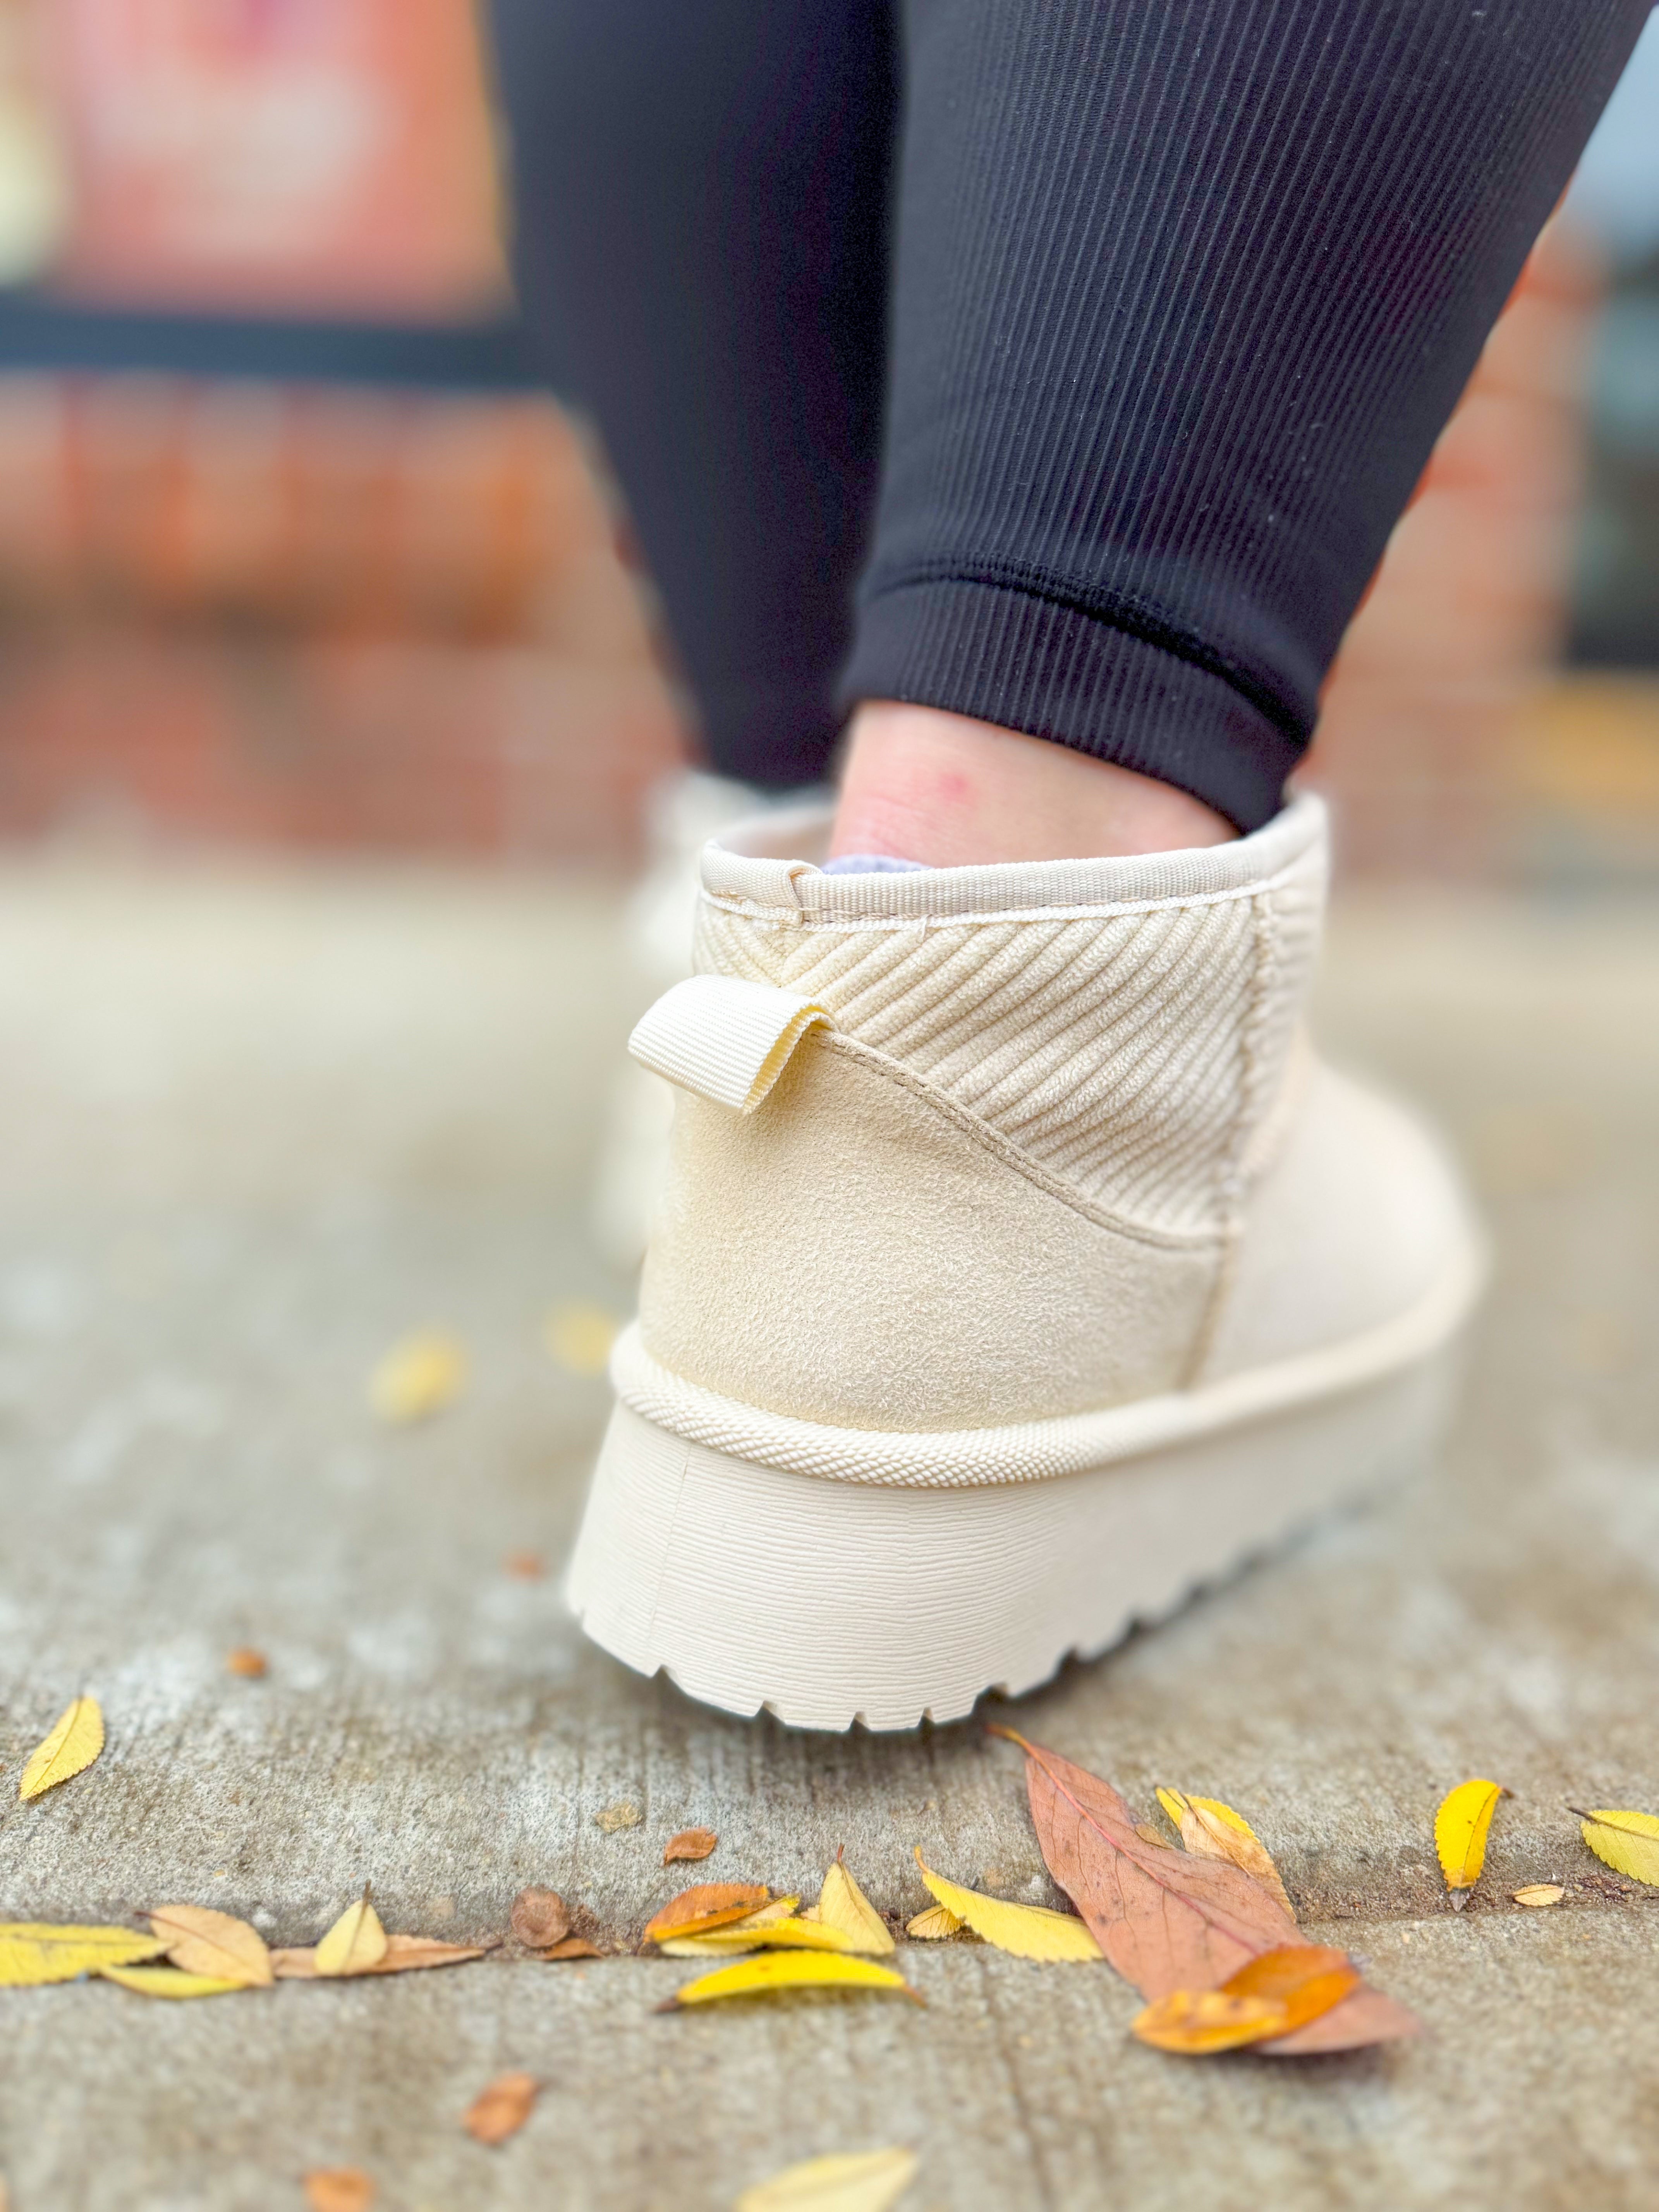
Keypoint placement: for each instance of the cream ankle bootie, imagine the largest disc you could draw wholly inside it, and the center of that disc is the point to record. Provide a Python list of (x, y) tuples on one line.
[(1019, 1269)]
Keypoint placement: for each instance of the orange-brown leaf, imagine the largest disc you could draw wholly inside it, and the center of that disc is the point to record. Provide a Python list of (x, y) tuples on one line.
[(1268, 1999), (709, 1905), (540, 1916), (574, 1947), (689, 1843), (1165, 1920), (338, 2189), (1168, 1921), (244, 1660), (1196, 2023), (502, 2110)]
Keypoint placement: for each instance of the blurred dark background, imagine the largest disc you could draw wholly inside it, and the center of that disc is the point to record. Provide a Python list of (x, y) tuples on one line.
[(295, 551)]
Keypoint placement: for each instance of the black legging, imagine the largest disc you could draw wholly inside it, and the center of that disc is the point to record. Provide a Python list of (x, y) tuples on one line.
[(1182, 292)]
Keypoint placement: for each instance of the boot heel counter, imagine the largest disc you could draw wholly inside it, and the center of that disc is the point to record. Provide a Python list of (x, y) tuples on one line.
[(858, 1252)]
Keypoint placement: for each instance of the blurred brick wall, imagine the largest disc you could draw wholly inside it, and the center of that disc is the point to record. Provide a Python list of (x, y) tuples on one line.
[(335, 619), (1421, 743), (319, 618)]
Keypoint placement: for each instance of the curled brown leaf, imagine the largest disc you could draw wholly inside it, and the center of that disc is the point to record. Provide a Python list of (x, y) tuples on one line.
[(689, 1843), (540, 1916)]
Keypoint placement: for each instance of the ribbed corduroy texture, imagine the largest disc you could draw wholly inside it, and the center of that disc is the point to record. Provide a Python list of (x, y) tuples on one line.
[(1184, 291), (1131, 1047)]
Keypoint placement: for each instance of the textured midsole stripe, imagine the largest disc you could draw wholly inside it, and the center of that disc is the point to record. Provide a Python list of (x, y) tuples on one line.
[(1035, 1452)]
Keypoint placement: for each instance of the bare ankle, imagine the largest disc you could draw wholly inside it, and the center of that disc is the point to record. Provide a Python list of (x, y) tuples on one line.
[(923, 785)]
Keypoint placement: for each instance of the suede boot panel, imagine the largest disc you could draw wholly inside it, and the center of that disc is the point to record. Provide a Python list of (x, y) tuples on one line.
[(1354, 1219), (853, 1255)]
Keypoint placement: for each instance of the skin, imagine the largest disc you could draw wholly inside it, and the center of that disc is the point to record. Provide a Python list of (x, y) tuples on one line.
[(922, 785)]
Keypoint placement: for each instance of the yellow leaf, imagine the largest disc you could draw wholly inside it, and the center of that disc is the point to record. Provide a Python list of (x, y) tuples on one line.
[(579, 1335), (1029, 1931), (846, 2181), (844, 1906), (1539, 1894), (784, 1934), (418, 1377), (1210, 1830), (935, 1924), (355, 1942), (1460, 1832), (789, 1970), (33, 1951), (1627, 1842), (204, 1941), (73, 1744), (168, 1982)]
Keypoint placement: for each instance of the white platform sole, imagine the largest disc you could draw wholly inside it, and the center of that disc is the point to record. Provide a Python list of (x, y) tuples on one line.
[(831, 1601)]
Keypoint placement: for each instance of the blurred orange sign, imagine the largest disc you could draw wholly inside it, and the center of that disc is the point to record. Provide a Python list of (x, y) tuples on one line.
[(307, 155)]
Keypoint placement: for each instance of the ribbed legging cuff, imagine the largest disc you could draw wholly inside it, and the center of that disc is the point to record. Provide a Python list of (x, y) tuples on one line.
[(1030, 664)]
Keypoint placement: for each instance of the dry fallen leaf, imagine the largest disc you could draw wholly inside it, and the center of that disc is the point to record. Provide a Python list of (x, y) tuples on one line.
[(33, 1951), (502, 2110), (357, 1940), (404, 1955), (1627, 1842), (709, 1905), (417, 1377), (736, 1935), (1538, 1893), (789, 1970), (689, 1843), (935, 1924), (579, 1335), (1210, 1830), (202, 1942), (1460, 1833), (409, 1955), (338, 2189), (539, 1917), (844, 1906), (783, 1934), (1029, 1931), (846, 2181), (244, 1660), (615, 1818), (1268, 1999), (1166, 1920), (74, 1743), (169, 1981), (574, 1947)]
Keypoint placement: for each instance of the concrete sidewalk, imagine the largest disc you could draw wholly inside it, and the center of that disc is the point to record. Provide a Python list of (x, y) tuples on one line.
[(254, 1128)]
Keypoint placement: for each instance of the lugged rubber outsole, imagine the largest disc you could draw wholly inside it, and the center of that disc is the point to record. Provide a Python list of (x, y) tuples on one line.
[(828, 1602)]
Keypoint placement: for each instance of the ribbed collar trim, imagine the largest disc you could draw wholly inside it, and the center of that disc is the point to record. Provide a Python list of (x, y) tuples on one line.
[(754, 864)]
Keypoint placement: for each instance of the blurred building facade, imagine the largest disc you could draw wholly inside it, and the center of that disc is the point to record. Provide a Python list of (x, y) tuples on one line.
[(291, 551)]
